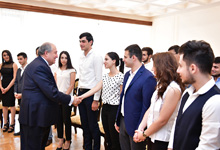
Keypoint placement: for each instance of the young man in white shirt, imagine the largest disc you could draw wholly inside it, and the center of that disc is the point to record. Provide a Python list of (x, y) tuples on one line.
[(90, 73), (198, 123), (147, 54)]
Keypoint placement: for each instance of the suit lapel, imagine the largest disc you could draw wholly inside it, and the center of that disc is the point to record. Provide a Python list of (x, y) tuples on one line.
[(137, 75)]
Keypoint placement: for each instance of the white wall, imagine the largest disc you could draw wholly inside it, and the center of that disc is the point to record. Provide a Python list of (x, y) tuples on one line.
[(24, 31), (197, 24)]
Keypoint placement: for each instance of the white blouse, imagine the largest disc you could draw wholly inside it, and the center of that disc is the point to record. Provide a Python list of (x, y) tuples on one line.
[(63, 79), (156, 105), (111, 88)]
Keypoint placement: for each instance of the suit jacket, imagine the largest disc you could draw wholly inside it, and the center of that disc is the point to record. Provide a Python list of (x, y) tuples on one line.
[(137, 98), (40, 96), (18, 82)]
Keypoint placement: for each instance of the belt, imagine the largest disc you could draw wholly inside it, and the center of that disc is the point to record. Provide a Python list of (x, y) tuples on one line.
[(83, 90)]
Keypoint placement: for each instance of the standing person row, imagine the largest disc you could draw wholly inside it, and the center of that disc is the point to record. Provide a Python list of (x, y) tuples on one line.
[(111, 85), (90, 73), (40, 97), (8, 70), (22, 59), (138, 87), (160, 116), (65, 79)]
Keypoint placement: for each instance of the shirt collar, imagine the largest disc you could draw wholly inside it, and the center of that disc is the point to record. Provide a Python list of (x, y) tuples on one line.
[(205, 88), (45, 61), (133, 74), (22, 68), (90, 52)]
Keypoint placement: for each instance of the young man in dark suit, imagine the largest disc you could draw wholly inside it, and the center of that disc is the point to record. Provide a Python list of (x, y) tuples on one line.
[(22, 59), (40, 98), (138, 87)]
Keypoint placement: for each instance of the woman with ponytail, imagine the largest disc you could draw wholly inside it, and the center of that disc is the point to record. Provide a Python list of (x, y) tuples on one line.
[(111, 85)]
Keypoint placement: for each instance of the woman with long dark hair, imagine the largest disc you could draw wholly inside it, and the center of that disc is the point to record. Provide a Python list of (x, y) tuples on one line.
[(8, 70), (111, 85), (65, 78), (159, 118)]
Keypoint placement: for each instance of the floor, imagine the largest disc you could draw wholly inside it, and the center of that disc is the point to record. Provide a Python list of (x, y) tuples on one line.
[(10, 142)]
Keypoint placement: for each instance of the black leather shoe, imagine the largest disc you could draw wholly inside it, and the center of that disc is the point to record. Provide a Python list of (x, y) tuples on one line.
[(17, 134), (48, 142)]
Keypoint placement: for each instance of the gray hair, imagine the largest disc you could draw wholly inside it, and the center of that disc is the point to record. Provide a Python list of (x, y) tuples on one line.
[(44, 47)]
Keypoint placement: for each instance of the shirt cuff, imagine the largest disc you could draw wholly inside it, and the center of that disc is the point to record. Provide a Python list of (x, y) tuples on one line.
[(71, 101)]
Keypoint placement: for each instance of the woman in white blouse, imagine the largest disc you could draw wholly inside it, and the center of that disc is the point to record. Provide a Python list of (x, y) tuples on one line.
[(65, 78), (111, 86), (159, 118)]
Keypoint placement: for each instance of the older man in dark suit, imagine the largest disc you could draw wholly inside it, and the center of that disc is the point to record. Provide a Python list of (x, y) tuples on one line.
[(40, 98)]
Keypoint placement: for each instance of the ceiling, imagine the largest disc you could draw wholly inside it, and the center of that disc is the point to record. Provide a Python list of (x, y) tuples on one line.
[(146, 8), (131, 9)]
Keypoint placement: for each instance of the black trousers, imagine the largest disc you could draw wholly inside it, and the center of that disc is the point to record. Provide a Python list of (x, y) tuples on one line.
[(88, 117), (33, 138), (157, 145), (126, 141), (108, 120), (64, 119)]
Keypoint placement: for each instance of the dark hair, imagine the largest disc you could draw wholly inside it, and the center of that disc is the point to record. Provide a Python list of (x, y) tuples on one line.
[(134, 50), (118, 61), (10, 57), (217, 60), (198, 52), (24, 55), (37, 50), (69, 63), (175, 48), (166, 66), (148, 50), (88, 36)]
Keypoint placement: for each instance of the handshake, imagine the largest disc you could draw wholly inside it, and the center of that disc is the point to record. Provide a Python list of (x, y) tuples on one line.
[(77, 100)]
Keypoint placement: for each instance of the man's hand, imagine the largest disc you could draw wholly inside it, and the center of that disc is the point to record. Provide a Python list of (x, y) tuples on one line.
[(117, 128), (95, 105), (76, 101)]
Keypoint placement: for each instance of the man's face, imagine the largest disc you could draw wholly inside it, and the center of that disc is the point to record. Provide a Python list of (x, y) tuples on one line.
[(177, 56), (184, 72), (84, 44), (127, 60), (216, 70), (52, 55), (22, 61), (145, 56)]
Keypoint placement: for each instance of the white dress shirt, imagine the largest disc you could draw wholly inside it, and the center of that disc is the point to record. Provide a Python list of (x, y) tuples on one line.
[(126, 86), (90, 71), (149, 66), (210, 134)]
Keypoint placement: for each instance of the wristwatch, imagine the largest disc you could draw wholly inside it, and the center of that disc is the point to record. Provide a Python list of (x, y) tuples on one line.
[(144, 135)]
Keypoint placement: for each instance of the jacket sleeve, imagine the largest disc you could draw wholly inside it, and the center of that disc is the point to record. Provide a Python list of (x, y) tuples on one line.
[(44, 79)]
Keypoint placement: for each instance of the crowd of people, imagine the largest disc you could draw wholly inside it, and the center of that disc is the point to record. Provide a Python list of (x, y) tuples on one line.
[(168, 100)]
